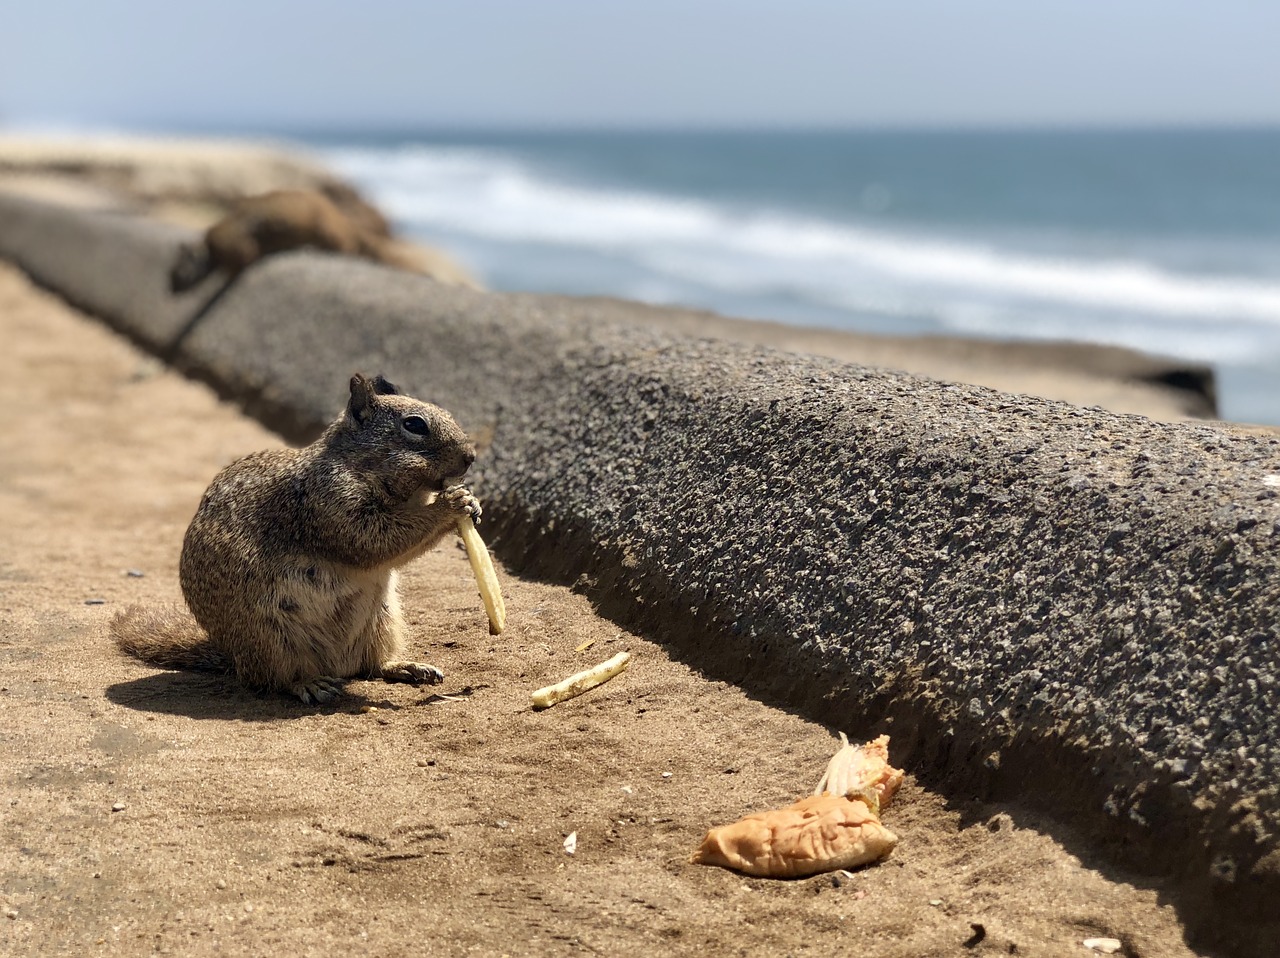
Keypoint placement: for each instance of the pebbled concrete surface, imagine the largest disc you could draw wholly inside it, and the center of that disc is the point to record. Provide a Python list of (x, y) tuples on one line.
[(1037, 600)]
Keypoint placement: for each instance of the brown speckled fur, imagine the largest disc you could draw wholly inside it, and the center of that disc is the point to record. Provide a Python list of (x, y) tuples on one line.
[(289, 564)]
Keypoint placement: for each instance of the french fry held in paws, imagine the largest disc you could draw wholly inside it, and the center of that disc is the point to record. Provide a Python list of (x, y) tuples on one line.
[(577, 684), (486, 578)]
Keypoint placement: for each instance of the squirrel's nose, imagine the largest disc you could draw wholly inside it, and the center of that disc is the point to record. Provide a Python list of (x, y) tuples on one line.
[(468, 457)]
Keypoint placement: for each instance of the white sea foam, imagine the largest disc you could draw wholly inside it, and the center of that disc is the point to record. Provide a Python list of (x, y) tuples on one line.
[(487, 195)]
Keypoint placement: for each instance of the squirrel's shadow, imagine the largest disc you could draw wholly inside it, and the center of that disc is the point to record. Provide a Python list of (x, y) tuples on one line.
[(200, 695)]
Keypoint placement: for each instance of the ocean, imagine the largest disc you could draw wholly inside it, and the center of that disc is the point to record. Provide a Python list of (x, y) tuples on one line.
[(1165, 241)]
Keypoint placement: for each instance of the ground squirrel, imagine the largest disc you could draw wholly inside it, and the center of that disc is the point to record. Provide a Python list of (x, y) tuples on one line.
[(282, 220), (288, 567)]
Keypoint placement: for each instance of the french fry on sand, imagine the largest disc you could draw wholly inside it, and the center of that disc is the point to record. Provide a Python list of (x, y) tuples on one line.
[(486, 578), (544, 698)]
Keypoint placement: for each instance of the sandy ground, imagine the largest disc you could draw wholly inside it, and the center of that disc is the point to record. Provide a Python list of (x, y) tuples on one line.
[(164, 812), (145, 170)]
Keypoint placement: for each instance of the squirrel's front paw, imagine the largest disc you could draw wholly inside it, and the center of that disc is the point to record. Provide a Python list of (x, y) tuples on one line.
[(461, 499)]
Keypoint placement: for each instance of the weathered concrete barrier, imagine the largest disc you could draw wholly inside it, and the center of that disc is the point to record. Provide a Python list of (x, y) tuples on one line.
[(1054, 605)]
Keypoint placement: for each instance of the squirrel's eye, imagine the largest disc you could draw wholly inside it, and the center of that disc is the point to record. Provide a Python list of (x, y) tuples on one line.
[(416, 425)]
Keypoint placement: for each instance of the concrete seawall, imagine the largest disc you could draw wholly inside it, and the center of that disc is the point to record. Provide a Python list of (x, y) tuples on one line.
[(1068, 608)]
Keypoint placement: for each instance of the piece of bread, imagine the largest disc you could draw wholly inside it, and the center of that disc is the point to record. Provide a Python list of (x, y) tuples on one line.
[(816, 834)]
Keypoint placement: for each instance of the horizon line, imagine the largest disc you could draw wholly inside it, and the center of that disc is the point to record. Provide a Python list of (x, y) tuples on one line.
[(401, 127)]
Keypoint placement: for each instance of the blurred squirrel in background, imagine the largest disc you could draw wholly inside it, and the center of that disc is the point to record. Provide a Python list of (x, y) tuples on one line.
[(281, 220)]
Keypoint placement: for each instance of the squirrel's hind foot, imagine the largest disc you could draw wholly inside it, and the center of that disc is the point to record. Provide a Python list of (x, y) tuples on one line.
[(415, 673), (320, 690)]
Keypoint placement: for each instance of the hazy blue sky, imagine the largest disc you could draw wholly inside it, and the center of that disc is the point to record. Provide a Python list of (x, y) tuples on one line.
[(593, 62)]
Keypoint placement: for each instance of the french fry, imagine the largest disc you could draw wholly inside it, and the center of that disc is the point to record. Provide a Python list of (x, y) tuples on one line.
[(486, 578), (577, 684)]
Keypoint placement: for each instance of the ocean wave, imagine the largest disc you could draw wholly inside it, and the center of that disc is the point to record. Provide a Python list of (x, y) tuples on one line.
[(971, 286)]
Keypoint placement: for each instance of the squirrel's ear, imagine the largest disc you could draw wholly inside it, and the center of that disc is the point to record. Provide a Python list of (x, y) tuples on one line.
[(384, 388), (360, 406)]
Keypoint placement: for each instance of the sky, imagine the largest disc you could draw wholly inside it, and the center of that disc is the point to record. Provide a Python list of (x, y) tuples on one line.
[(244, 64)]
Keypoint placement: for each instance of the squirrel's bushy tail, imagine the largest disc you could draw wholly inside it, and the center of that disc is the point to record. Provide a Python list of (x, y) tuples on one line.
[(168, 637)]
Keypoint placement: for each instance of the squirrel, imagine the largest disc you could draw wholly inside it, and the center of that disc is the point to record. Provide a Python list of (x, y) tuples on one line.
[(280, 220), (289, 566)]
